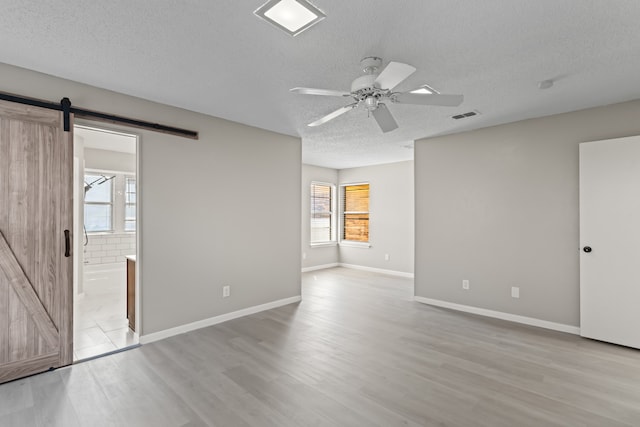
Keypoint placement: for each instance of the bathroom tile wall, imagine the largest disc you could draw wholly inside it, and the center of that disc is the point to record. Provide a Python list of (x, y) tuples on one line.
[(109, 248)]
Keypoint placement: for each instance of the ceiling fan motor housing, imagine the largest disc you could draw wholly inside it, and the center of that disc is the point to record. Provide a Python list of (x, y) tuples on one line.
[(363, 82)]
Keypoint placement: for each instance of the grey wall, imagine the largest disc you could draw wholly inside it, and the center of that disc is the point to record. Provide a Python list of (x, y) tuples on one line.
[(109, 160), (391, 206), (499, 207), (203, 222), (317, 255)]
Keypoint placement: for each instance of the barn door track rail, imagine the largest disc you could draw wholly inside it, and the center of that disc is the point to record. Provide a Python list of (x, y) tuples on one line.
[(67, 109)]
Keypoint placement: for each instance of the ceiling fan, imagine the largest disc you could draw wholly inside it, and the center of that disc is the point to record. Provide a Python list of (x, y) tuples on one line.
[(369, 92)]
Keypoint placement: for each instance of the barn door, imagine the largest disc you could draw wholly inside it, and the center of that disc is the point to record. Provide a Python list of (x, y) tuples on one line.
[(36, 287)]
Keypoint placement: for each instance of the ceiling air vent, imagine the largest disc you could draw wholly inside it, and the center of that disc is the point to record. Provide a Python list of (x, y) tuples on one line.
[(465, 115)]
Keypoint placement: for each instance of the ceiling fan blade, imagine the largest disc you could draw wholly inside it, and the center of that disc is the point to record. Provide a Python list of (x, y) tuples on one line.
[(333, 115), (394, 74), (428, 99), (384, 118), (323, 92)]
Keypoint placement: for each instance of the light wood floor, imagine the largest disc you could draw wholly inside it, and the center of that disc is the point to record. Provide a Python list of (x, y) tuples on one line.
[(356, 352)]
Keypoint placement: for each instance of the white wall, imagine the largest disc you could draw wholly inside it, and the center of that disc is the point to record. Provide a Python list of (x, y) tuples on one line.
[(109, 160), (199, 230), (317, 255), (391, 220), (499, 207)]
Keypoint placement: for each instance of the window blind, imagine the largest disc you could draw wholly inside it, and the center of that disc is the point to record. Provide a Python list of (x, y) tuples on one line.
[(321, 213), (355, 213)]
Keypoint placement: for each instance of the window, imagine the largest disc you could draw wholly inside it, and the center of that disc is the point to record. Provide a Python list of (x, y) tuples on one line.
[(98, 203), (322, 213), (110, 202), (130, 204), (355, 213)]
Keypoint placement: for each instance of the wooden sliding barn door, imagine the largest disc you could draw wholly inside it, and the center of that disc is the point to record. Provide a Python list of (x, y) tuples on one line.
[(36, 287)]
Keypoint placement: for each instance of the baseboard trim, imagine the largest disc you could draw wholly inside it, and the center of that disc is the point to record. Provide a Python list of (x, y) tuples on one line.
[(377, 270), (319, 267), (160, 335), (501, 315)]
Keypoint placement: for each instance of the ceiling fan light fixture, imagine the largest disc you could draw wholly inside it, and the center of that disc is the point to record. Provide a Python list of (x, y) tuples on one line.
[(291, 16), (371, 103)]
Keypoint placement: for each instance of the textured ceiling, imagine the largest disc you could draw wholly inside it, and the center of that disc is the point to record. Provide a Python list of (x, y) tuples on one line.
[(217, 58)]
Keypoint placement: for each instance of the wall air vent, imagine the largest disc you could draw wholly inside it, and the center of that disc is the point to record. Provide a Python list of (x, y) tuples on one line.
[(465, 115)]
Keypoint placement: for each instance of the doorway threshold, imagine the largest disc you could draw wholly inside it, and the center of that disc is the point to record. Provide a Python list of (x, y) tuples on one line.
[(109, 353)]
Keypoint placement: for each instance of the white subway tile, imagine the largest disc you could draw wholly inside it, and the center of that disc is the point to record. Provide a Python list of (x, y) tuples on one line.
[(107, 259)]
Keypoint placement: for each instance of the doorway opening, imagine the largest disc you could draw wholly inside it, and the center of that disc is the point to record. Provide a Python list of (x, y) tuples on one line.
[(106, 245)]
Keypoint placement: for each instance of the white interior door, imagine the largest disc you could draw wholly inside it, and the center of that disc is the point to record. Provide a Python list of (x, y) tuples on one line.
[(610, 240)]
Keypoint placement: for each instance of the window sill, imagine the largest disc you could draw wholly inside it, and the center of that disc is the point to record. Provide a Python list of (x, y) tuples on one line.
[(108, 233), (347, 243), (323, 244)]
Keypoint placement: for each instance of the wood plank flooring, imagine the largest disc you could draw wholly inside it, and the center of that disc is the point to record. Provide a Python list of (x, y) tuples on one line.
[(357, 351)]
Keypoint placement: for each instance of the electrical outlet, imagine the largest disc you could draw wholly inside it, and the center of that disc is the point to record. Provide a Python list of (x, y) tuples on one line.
[(515, 292), (226, 291), (386, 257), (304, 255), (465, 285)]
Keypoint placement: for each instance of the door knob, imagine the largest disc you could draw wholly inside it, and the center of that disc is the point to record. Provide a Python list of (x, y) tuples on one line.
[(587, 249)]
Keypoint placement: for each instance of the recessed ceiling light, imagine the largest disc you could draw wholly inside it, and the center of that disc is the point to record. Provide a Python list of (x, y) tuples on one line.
[(424, 89), (291, 16)]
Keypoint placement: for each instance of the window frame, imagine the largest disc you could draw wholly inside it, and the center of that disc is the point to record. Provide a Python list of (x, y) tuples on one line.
[(111, 229), (127, 177), (353, 243), (333, 215)]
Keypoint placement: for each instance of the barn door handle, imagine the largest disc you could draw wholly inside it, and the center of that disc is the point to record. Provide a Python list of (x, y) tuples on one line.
[(67, 244)]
